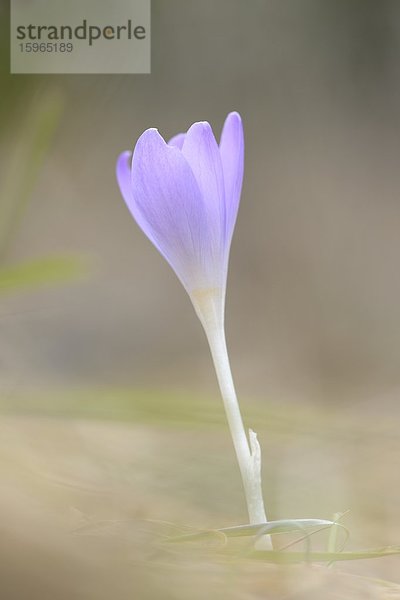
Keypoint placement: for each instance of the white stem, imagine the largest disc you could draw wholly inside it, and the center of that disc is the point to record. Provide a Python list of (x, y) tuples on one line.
[(248, 454), (249, 457)]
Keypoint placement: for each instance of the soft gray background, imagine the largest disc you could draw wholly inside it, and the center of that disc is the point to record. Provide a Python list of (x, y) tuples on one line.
[(313, 304)]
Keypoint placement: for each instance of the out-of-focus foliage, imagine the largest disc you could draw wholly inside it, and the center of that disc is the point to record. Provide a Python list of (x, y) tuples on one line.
[(48, 270), (24, 159), (30, 114), (26, 153)]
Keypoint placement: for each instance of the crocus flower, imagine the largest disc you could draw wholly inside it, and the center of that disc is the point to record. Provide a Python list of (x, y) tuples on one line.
[(185, 195)]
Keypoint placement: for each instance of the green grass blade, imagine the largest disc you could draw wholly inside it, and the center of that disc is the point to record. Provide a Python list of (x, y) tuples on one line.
[(27, 156), (40, 272), (271, 528)]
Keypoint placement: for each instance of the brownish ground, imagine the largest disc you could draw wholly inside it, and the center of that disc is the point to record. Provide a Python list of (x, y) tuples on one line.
[(85, 504)]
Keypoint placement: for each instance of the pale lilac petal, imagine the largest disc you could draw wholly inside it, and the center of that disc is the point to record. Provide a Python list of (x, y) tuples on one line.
[(124, 178), (232, 155), (202, 153), (123, 172), (185, 196), (177, 140), (167, 198)]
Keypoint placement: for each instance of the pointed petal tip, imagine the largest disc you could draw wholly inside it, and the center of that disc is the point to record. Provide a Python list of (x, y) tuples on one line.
[(234, 116), (125, 154), (199, 131), (123, 161), (150, 133), (232, 154), (201, 126), (123, 174), (233, 125)]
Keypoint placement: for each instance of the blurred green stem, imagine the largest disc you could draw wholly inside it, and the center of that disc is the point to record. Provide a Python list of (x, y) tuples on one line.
[(27, 154)]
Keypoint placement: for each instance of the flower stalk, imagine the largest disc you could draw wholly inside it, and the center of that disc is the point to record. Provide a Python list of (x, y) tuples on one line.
[(209, 308)]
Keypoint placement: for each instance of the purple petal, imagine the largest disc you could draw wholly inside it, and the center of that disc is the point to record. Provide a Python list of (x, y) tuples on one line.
[(202, 153), (124, 178), (167, 203), (177, 140), (232, 155), (123, 172)]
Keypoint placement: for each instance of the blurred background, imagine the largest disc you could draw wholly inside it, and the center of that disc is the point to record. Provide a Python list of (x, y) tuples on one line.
[(109, 404)]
